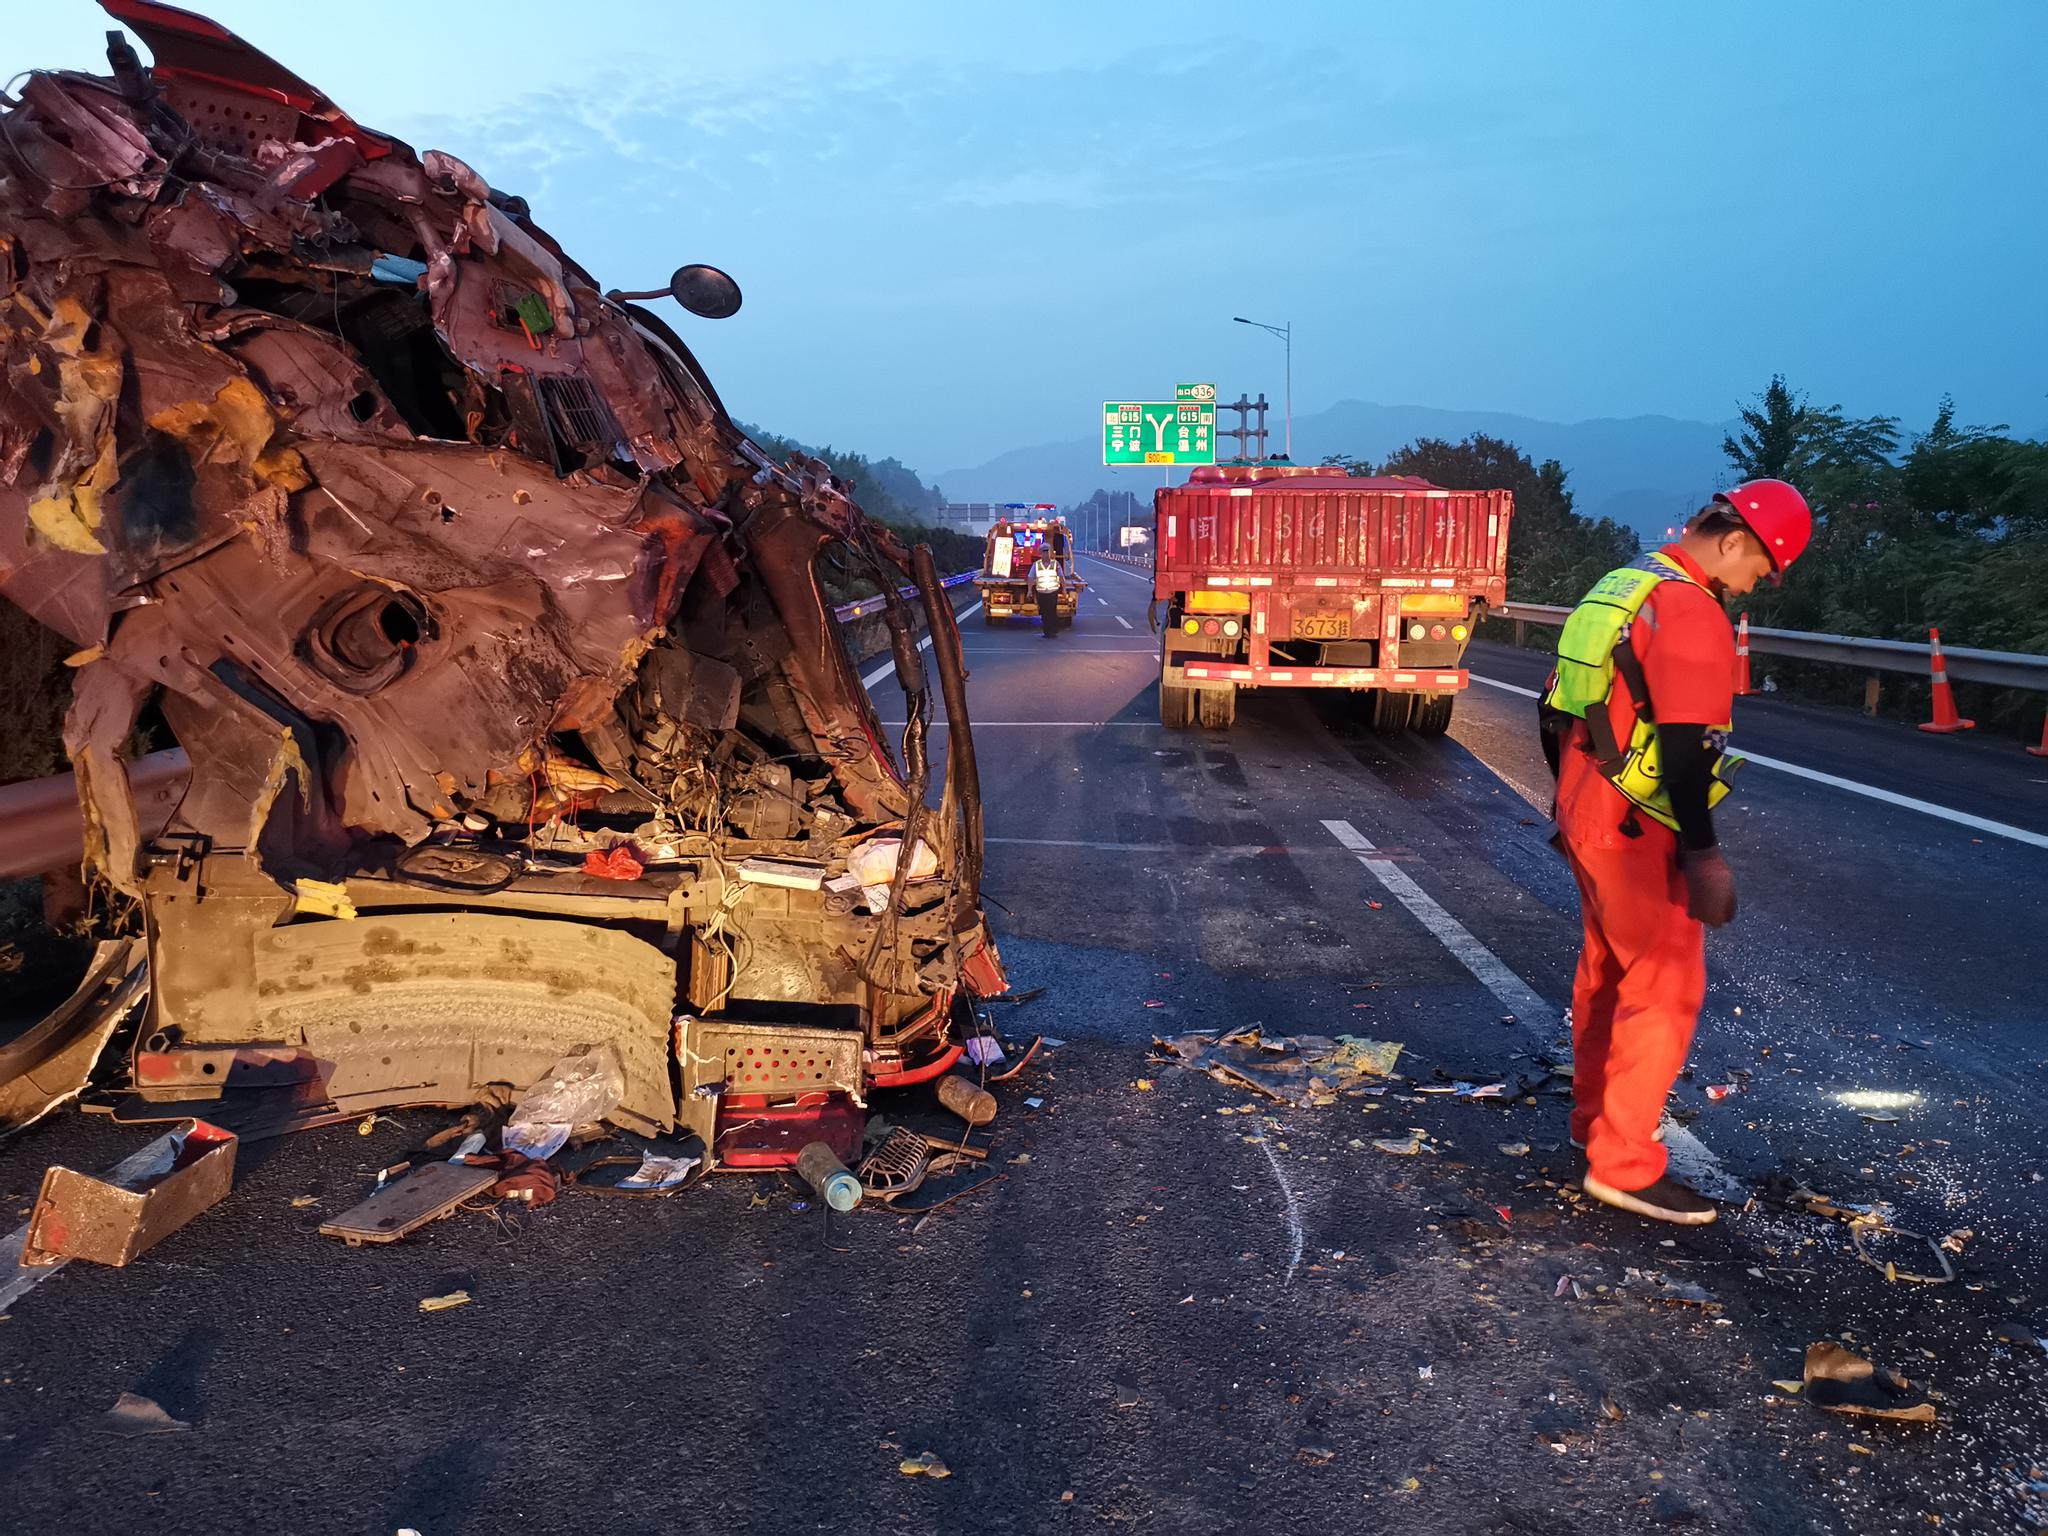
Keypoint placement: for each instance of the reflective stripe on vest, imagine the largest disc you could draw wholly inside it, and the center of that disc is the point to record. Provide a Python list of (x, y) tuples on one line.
[(1586, 668)]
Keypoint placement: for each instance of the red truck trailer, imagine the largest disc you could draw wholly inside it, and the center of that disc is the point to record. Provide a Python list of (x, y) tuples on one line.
[(1297, 576)]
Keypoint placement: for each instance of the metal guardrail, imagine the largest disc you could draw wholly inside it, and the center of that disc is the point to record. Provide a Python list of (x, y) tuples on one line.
[(1999, 669), (45, 830), (867, 605)]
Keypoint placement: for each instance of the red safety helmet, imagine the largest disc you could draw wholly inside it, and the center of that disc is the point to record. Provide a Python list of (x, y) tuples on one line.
[(1777, 514)]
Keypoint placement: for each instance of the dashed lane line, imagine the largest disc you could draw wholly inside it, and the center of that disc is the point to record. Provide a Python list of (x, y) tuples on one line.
[(1514, 993), (887, 667), (1124, 621), (1691, 1158), (1868, 791)]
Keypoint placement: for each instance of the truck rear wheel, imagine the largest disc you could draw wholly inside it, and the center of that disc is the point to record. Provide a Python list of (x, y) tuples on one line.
[(1390, 711), (988, 618), (1433, 715), (1218, 707)]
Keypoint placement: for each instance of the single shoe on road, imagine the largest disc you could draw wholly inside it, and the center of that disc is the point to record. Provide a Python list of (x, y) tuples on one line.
[(1665, 1200)]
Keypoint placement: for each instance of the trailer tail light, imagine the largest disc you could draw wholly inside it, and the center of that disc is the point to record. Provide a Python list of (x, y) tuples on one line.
[(1232, 629), (1191, 626), (1417, 631), (1212, 627), (1437, 631), (1459, 631)]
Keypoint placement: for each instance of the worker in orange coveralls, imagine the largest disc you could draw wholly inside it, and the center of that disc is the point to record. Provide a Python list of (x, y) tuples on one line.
[(1636, 718)]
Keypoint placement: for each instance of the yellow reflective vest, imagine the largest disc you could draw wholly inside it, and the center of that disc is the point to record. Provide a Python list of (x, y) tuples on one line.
[(1591, 651)]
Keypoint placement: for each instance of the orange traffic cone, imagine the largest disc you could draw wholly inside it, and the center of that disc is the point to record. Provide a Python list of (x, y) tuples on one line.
[(1742, 688), (1945, 717), (2041, 750)]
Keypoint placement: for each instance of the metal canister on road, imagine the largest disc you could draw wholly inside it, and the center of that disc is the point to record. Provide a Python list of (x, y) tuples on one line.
[(819, 1166), (975, 1105)]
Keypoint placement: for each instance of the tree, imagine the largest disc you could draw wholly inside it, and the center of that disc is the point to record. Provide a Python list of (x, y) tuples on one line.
[(1554, 553)]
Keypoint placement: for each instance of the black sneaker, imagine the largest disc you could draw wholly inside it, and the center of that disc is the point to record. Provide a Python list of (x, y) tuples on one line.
[(1665, 1200)]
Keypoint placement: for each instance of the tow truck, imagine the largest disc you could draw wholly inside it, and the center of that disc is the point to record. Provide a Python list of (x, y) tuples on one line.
[(1014, 545)]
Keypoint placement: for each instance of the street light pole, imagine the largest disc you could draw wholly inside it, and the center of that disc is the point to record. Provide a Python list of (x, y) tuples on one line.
[(1286, 334)]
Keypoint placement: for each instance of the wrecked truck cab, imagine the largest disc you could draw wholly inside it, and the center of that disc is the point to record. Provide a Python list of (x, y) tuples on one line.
[(517, 717)]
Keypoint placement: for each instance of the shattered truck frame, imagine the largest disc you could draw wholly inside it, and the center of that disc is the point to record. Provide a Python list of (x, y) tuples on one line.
[(518, 720)]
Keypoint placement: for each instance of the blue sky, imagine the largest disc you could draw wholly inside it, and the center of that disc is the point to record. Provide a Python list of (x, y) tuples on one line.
[(959, 228)]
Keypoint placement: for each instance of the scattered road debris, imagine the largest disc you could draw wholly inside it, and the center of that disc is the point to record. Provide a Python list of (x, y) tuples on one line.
[(819, 1166), (1842, 1381), (1515, 1148), (132, 1417), (580, 1089), (1302, 1070), (109, 1220), (445, 1303), (1417, 1140), (971, 1102), (924, 1464), (402, 1207), (1871, 1240)]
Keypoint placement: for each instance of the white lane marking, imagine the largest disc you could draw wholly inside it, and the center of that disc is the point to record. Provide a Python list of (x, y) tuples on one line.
[(1295, 1237), (152, 1157), (1694, 1163), (1907, 802), (1124, 621), (1868, 791), (1103, 600), (1690, 1156), (887, 667), (1514, 993)]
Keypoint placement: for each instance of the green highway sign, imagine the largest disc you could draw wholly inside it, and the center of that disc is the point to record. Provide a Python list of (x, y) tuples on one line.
[(1160, 431), (1204, 394)]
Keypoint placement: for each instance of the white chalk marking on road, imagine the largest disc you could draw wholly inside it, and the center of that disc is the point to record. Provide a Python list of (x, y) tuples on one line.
[(1514, 993), (1868, 791), (1295, 1237), (1123, 621), (925, 644), (153, 1157)]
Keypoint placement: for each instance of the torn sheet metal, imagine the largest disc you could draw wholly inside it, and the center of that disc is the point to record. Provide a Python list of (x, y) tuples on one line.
[(453, 577), (48, 1063), (112, 1219)]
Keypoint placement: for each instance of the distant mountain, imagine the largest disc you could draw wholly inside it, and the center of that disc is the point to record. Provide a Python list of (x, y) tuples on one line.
[(1643, 471)]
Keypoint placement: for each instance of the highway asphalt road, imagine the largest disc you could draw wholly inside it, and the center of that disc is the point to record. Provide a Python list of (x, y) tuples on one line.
[(1183, 1308)]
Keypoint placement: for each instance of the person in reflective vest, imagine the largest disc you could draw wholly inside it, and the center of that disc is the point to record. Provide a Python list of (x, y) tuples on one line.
[(1045, 582), (1636, 718)]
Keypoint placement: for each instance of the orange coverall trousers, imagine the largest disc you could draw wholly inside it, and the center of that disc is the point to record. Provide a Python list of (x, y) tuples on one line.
[(1635, 1000)]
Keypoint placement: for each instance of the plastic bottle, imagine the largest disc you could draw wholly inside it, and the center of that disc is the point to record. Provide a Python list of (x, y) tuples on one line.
[(975, 1105), (819, 1166)]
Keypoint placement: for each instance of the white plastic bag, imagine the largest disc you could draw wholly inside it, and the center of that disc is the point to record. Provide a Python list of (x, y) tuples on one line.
[(582, 1087)]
